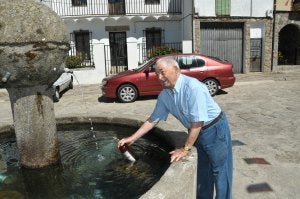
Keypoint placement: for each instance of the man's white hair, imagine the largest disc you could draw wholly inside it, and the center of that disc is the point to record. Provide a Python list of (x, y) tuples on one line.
[(168, 62)]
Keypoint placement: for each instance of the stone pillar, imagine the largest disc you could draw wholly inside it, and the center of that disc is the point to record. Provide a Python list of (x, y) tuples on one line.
[(132, 57), (35, 126)]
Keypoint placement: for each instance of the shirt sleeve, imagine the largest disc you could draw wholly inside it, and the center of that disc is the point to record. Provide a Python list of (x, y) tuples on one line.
[(160, 111)]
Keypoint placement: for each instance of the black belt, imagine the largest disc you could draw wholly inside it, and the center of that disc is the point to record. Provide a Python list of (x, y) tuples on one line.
[(213, 122)]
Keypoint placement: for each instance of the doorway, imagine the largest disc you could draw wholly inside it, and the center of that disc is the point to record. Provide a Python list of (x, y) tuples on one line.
[(118, 52)]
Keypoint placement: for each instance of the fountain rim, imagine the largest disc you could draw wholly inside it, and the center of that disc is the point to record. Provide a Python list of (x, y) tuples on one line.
[(180, 175)]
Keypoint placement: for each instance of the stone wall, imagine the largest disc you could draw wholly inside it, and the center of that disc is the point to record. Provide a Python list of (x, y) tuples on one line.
[(281, 20)]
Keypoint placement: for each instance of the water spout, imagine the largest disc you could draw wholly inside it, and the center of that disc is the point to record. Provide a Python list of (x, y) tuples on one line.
[(67, 70), (6, 77)]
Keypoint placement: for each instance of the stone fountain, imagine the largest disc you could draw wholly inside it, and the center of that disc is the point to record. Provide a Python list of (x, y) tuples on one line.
[(33, 49)]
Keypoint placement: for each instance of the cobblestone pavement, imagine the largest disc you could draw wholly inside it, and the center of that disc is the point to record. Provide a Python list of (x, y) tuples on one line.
[(264, 113)]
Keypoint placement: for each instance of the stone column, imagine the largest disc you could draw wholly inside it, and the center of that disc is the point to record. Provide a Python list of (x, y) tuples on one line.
[(35, 126)]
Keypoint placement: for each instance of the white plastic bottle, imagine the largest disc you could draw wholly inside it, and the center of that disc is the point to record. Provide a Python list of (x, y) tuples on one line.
[(125, 150)]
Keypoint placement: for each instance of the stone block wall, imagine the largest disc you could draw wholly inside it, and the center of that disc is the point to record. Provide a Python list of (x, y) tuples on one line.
[(281, 19)]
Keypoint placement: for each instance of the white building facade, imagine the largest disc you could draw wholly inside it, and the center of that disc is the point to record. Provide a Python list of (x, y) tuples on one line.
[(110, 36)]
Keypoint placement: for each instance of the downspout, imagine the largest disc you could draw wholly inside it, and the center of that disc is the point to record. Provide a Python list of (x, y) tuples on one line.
[(251, 8), (193, 17), (182, 25), (273, 36)]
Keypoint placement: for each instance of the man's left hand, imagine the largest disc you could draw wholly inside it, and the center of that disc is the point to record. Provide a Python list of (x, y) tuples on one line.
[(177, 154)]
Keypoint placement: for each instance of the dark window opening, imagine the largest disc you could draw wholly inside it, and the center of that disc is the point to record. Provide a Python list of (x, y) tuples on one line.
[(118, 52), (79, 2), (152, 2), (187, 62), (255, 54), (82, 44), (200, 62), (152, 68), (116, 7), (153, 40), (80, 49)]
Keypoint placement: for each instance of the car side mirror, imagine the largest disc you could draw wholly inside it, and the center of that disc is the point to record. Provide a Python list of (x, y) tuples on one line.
[(147, 71)]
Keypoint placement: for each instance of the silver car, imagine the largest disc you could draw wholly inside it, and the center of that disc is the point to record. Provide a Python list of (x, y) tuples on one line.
[(62, 84)]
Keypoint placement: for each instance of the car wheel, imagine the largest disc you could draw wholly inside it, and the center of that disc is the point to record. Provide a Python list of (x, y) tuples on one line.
[(56, 95), (127, 93), (71, 86), (212, 85)]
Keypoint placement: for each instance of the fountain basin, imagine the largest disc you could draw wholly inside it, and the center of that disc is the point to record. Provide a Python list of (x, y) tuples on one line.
[(181, 176)]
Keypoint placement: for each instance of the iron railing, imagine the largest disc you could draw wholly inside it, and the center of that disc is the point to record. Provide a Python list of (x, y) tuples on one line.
[(109, 7), (146, 53), (143, 53), (83, 59)]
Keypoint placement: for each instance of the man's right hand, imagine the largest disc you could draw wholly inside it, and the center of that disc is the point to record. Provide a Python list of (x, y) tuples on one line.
[(127, 140)]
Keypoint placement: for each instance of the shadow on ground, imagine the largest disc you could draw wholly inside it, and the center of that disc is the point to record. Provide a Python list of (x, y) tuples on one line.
[(111, 100)]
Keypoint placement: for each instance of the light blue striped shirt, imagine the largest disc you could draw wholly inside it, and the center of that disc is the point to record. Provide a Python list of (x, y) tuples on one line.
[(189, 102)]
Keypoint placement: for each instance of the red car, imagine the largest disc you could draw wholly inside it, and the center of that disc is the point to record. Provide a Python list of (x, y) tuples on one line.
[(127, 86)]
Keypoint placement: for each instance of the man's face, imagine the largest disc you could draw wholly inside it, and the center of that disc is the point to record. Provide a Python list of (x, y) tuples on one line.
[(166, 75)]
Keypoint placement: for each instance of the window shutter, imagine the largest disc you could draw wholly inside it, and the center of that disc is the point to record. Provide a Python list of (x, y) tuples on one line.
[(222, 7)]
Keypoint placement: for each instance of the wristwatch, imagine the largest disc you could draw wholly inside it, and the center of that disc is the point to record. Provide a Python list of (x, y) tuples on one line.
[(186, 148)]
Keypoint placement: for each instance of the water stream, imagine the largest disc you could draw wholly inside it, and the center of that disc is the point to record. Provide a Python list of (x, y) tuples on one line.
[(83, 101)]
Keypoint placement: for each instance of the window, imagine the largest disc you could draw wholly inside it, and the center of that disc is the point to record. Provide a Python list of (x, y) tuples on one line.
[(116, 7), (296, 5), (152, 67), (79, 2), (153, 40), (152, 2), (82, 44), (222, 7), (187, 62), (200, 62)]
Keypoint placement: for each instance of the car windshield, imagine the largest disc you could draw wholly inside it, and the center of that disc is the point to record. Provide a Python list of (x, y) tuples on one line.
[(143, 64)]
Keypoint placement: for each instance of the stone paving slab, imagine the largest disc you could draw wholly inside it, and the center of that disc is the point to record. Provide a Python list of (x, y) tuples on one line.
[(264, 114)]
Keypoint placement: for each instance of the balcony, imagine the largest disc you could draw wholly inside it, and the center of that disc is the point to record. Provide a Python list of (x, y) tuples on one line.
[(114, 7)]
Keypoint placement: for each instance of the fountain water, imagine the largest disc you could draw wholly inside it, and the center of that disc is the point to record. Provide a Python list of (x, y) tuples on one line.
[(90, 166), (33, 49)]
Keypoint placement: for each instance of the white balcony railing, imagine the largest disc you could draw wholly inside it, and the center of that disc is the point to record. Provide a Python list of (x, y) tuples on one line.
[(114, 7)]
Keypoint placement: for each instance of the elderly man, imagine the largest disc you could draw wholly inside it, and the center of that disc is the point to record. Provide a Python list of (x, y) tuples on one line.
[(190, 102)]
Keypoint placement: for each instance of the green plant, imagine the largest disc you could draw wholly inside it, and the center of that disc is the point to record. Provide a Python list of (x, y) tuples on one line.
[(281, 58), (163, 50), (74, 62)]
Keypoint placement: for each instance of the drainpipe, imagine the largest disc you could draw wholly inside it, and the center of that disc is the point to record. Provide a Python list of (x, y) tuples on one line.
[(193, 16), (273, 36), (251, 8)]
